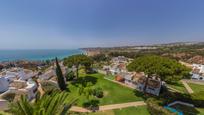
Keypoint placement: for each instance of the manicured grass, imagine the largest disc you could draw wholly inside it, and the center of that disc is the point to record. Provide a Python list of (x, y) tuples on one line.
[(201, 111), (4, 113), (111, 77), (178, 86), (142, 110), (113, 93), (196, 88), (132, 111)]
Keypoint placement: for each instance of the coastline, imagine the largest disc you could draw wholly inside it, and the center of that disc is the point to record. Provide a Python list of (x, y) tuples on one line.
[(37, 55)]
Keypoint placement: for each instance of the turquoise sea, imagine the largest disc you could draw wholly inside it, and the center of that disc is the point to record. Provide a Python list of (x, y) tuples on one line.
[(12, 55)]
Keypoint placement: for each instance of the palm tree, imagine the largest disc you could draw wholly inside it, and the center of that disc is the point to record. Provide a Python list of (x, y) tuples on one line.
[(53, 104)]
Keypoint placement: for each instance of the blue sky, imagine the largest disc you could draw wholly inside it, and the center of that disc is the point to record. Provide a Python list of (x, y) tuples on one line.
[(62, 24)]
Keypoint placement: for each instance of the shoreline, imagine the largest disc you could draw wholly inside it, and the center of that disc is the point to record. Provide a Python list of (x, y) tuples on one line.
[(41, 55)]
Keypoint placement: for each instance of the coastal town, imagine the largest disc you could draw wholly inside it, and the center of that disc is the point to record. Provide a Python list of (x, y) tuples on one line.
[(30, 79), (101, 57)]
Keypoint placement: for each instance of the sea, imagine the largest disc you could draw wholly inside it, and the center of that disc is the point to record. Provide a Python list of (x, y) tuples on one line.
[(37, 55)]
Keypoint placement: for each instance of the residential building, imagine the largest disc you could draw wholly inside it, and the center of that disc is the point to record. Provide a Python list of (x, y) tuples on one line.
[(18, 81), (4, 84), (197, 72), (138, 81), (119, 59)]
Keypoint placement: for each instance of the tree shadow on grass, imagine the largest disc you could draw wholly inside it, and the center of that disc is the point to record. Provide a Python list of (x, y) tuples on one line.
[(196, 99), (84, 81), (176, 84), (186, 109), (141, 94)]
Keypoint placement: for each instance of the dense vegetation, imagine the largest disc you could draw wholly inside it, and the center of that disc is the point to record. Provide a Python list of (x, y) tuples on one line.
[(181, 52), (164, 68), (49, 86), (100, 57), (54, 104), (155, 109), (78, 60)]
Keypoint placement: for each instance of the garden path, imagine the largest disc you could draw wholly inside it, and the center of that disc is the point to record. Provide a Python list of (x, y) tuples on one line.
[(188, 88), (110, 107)]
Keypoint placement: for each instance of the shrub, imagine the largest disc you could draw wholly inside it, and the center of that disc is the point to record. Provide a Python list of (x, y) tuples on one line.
[(154, 108), (98, 92), (49, 86), (92, 105), (196, 98), (70, 76)]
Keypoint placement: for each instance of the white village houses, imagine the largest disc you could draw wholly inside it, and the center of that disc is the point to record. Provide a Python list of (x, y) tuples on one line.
[(197, 72)]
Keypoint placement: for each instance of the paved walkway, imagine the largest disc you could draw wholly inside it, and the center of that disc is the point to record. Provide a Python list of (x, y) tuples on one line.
[(188, 88), (110, 107), (199, 82), (120, 106), (79, 109)]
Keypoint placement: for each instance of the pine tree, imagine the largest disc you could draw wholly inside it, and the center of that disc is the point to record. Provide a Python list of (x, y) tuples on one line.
[(60, 78)]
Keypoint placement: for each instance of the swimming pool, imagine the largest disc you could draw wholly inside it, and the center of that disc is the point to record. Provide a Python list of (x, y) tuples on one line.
[(173, 110)]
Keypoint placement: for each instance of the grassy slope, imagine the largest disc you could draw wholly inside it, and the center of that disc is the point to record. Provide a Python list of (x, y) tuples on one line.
[(113, 93), (201, 110), (196, 88), (142, 110)]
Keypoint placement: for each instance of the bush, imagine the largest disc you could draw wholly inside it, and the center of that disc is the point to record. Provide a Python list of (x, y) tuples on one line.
[(92, 105), (154, 108), (98, 92), (70, 76), (196, 98), (8, 96), (49, 86)]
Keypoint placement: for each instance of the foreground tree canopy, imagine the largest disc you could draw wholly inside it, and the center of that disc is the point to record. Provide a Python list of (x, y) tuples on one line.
[(77, 60), (167, 69), (53, 104)]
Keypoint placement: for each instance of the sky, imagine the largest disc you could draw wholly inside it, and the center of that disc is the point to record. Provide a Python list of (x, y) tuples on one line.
[(69, 24)]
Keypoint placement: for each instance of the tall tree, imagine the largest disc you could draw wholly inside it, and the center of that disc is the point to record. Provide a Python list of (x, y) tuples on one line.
[(53, 104), (60, 78), (77, 60), (166, 69)]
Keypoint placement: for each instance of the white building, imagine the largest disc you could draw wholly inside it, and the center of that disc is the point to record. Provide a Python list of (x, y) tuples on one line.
[(200, 67), (153, 86), (48, 74), (19, 81), (198, 72), (119, 59), (138, 81), (4, 84)]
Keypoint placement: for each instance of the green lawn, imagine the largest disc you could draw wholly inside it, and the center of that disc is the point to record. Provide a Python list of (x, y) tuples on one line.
[(201, 111), (142, 110), (196, 88), (113, 93), (178, 86), (4, 113), (111, 77)]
